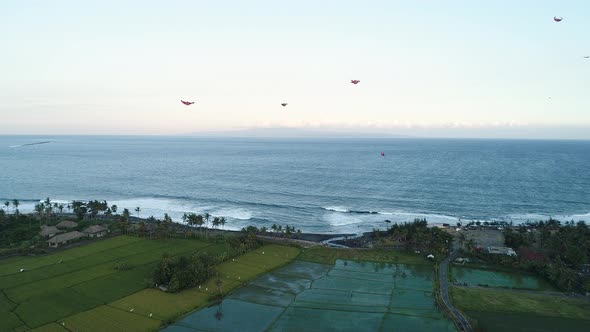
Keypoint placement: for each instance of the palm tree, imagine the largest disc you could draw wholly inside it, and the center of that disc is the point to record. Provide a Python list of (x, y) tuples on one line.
[(7, 204), (126, 215), (48, 208), (207, 215), (222, 221), (15, 203), (39, 208), (462, 239), (137, 209), (61, 208), (216, 222), (114, 208), (69, 207), (199, 220)]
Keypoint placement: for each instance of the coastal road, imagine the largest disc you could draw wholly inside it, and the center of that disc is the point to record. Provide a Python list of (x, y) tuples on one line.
[(461, 321)]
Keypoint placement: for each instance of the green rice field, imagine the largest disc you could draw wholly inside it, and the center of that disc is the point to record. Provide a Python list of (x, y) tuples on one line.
[(504, 310), (79, 284), (494, 321), (493, 278), (343, 296)]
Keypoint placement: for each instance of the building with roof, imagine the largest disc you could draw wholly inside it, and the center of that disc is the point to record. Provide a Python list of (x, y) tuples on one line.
[(67, 224), (96, 231), (65, 238), (501, 251), (49, 231)]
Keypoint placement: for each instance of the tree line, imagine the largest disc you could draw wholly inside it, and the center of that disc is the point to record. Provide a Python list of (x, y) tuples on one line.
[(563, 250), (418, 236)]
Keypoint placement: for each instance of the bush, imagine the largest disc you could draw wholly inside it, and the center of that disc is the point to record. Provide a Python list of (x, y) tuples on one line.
[(184, 272)]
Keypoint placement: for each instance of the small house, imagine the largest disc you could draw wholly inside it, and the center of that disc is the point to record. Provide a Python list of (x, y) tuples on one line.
[(67, 224), (49, 231), (65, 238), (96, 231)]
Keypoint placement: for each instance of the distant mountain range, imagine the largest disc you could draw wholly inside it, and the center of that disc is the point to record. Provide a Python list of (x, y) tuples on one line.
[(524, 132)]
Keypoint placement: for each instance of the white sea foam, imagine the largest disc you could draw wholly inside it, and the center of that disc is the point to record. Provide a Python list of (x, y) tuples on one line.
[(518, 218), (337, 219), (336, 209), (333, 219), (235, 213)]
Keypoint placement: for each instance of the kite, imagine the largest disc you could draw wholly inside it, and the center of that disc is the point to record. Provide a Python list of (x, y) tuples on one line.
[(284, 104), (382, 154), (557, 19), (355, 82), (187, 103), (587, 57)]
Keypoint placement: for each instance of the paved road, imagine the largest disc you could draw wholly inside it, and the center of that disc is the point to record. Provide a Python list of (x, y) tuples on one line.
[(461, 321)]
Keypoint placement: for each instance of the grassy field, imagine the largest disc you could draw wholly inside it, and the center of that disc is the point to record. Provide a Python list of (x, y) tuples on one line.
[(501, 321), (234, 273), (326, 255), (106, 318), (500, 301), (76, 280), (51, 327), (82, 289), (14, 264)]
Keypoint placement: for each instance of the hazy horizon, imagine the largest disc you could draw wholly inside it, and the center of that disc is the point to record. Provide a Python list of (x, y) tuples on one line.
[(575, 133), (453, 69)]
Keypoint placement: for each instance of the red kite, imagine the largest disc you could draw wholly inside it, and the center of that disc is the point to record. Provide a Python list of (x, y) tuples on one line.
[(187, 102), (355, 82), (557, 19)]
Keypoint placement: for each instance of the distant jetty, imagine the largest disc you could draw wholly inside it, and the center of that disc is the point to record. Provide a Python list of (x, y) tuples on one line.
[(28, 144)]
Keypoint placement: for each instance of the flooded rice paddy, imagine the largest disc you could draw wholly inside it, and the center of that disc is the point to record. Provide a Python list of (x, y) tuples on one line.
[(349, 296)]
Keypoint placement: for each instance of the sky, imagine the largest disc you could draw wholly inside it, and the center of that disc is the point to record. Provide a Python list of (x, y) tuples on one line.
[(462, 68)]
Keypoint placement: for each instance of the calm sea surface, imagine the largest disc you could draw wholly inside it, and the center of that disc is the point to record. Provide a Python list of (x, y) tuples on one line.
[(318, 185)]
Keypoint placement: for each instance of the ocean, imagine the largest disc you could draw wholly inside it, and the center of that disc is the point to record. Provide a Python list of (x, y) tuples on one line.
[(316, 185)]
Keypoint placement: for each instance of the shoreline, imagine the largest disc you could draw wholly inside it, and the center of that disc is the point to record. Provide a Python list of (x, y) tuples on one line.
[(382, 220)]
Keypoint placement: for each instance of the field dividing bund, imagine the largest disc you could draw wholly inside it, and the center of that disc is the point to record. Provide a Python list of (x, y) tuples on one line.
[(344, 296), (75, 280)]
